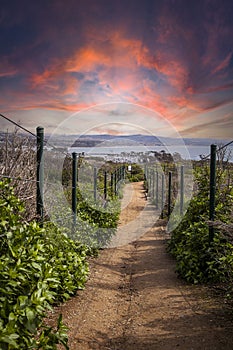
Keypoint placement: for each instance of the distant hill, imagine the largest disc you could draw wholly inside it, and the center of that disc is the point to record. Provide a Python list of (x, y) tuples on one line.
[(146, 140), (93, 140)]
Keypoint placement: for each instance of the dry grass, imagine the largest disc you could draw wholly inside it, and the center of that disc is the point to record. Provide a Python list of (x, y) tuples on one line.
[(18, 162)]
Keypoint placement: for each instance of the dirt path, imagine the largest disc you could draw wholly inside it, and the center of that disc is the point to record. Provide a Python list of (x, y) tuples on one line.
[(133, 299)]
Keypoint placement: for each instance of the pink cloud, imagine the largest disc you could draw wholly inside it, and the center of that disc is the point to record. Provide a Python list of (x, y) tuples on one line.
[(217, 32), (8, 73), (173, 69), (223, 64), (116, 65), (183, 101), (117, 61)]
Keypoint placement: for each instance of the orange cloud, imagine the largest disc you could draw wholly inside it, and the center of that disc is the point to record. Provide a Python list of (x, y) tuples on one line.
[(54, 105), (86, 59), (42, 79), (174, 70), (71, 86), (118, 52), (115, 65), (184, 102)]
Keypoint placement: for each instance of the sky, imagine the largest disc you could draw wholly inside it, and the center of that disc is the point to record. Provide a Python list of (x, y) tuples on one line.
[(150, 62)]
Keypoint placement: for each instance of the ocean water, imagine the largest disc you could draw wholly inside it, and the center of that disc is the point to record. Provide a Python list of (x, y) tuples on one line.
[(191, 152)]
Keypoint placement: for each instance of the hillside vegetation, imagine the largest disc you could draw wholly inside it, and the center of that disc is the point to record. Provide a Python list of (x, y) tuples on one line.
[(200, 259)]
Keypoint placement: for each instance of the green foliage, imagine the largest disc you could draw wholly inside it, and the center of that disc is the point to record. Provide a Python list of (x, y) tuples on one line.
[(96, 221), (136, 174), (198, 259), (42, 266), (96, 218), (100, 221), (49, 337), (39, 267), (93, 213)]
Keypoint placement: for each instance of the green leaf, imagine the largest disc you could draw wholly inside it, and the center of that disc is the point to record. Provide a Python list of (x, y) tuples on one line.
[(36, 266), (30, 314), (23, 300), (10, 339), (12, 317)]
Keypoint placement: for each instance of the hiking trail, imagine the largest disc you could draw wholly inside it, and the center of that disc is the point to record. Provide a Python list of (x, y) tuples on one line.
[(134, 300)]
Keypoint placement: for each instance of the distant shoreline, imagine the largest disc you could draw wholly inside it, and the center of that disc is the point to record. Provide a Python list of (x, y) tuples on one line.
[(191, 152)]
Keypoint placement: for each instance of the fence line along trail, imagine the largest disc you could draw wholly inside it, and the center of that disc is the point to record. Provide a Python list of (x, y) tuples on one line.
[(134, 299)]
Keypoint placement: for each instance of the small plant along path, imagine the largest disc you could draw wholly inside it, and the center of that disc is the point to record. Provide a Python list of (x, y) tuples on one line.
[(134, 300)]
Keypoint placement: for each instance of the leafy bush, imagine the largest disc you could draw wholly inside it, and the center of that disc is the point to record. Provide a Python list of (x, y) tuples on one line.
[(198, 259), (95, 223), (136, 174), (101, 223), (39, 267)]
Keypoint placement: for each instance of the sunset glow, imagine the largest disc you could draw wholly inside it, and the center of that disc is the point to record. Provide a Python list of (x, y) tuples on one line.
[(173, 57)]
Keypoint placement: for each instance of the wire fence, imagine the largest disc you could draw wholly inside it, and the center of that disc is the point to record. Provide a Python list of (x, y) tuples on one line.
[(19, 163), (22, 161), (165, 188)]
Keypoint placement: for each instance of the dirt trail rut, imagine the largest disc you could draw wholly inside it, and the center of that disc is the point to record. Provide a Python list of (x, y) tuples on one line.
[(133, 299)]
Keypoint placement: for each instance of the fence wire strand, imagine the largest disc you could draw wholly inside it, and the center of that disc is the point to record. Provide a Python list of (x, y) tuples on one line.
[(32, 134), (19, 126), (218, 150)]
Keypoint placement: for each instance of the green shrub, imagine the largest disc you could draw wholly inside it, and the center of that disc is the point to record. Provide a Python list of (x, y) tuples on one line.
[(198, 259), (136, 174), (39, 267)]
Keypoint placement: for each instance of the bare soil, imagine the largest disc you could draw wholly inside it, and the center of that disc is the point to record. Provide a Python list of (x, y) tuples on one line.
[(134, 300)]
